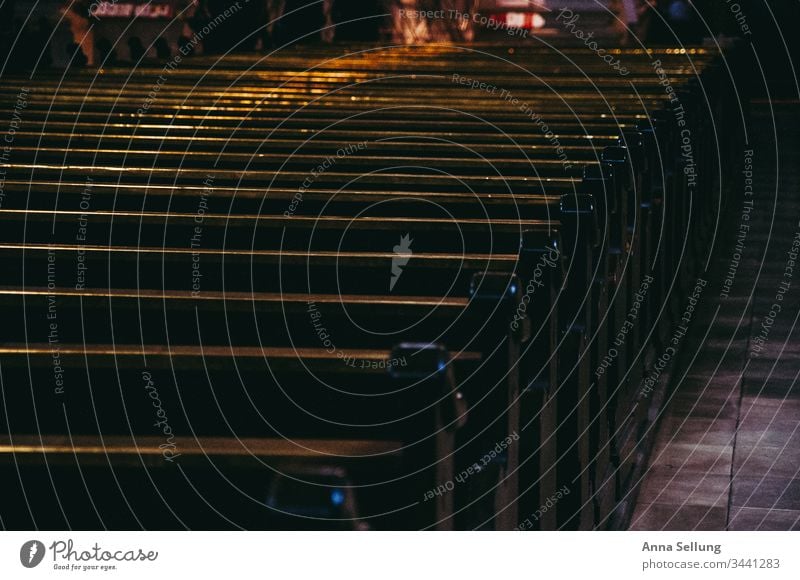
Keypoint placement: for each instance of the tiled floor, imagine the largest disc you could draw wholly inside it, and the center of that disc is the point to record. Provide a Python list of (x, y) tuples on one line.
[(727, 454)]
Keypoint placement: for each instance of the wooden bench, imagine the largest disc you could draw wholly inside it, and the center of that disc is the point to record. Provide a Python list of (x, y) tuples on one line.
[(493, 197)]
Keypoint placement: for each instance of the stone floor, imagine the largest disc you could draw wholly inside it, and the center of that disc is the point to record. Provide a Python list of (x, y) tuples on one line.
[(727, 453)]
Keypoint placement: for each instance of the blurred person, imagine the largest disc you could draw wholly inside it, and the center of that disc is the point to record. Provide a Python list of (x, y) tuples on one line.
[(457, 26), (192, 16), (75, 55), (407, 26), (108, 56), (301, 22), (328, 27), (647, 14), (633, 19), (411, 25), (275, 10), (163, 51), (76, 13), (136, 50), (658, 30)]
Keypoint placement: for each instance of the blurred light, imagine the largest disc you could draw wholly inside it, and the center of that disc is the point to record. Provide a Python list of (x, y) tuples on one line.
[(337, 497), (521, 20)]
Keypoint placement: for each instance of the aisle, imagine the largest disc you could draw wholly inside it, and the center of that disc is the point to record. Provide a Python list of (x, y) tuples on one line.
[(727, 454)]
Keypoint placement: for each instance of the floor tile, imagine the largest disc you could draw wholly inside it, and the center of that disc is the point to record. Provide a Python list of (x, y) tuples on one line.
[(779, 388), (714, 459), (765, 520), (680, 486), (678, 518), (766, 492), (764, 460), (772, 437), (677, 429)]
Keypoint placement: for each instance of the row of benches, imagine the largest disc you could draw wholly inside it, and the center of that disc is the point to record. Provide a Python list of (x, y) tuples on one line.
[(406, 287)]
